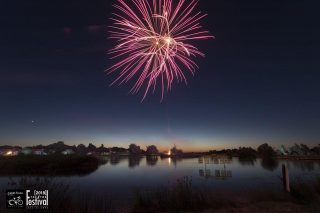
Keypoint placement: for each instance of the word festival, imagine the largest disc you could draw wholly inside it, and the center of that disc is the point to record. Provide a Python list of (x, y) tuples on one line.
[(37, 199)]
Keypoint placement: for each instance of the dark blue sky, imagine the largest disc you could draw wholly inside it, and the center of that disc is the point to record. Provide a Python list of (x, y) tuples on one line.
[(259, 81)]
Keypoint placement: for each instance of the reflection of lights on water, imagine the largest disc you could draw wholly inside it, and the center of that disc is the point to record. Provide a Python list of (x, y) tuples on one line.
[(169, 161)]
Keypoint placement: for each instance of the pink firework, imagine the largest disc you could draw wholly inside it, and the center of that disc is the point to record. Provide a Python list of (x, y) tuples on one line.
[(154, 42)]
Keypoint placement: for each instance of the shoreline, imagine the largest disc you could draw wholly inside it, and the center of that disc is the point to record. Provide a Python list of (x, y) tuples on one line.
[(295, 157)]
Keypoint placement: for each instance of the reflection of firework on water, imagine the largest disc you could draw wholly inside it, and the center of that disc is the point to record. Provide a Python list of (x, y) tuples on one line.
[(153, 42)]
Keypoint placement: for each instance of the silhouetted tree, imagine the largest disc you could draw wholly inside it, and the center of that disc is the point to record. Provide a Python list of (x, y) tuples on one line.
[(102, 149), (316, 150), (81, 149), (296, 150), (91, 148), (228, 152), (175, 151), (58, 147), (152, 150), (266, 151), (247, 153), (305, 149), (134, 149), (118, 149)]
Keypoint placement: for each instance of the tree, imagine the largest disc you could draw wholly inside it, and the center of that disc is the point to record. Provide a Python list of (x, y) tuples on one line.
[(175, 151), (81, 149), (305, 149), (247, 153), (134, 149), (152, 150), (316, 150), (266, 151), (58, 147), (296, 150), (118, 149), (102, 149), (91, 147)]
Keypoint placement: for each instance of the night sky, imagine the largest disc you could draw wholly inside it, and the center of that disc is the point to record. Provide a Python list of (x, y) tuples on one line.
[(259, 81)]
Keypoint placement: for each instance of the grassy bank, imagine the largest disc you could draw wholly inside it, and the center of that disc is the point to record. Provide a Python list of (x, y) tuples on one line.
[(63, 197), (48, 165), (180, 196), (183, 197)]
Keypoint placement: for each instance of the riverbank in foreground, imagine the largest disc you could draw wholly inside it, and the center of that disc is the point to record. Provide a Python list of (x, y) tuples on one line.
[(183, 197), (180, 196)]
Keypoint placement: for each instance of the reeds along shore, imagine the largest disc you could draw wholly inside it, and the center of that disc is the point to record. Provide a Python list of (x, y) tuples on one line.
[(182, 196), (179, 196)]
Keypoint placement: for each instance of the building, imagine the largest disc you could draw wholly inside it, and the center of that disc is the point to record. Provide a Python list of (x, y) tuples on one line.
[(9, 152), (68, 152), (39, 152), (105, 153), (26, 151)]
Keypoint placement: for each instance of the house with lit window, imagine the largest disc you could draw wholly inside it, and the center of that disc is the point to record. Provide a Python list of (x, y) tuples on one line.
[(9, 152), (38, 152), (68, 152)]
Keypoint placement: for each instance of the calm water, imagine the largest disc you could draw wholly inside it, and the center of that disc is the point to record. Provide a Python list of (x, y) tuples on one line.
[(119, 176)]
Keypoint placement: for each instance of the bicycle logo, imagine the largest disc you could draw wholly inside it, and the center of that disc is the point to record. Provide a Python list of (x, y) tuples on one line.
[(16, 201)]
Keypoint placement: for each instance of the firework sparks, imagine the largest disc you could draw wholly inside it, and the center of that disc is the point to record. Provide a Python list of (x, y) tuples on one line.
[(154, 42)]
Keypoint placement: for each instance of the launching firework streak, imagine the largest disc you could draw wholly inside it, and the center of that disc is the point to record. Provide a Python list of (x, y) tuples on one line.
[(155, 42)]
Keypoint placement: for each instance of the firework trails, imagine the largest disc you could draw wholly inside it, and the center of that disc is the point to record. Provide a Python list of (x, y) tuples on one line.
[(155, 42)]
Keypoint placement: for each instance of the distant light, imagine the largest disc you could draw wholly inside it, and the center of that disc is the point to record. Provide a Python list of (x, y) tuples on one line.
[(9, 153), (169, 152)]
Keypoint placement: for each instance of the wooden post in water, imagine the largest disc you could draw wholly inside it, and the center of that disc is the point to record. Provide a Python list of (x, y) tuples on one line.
[(285, 178)]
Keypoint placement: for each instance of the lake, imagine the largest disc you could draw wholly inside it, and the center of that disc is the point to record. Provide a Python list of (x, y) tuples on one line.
[(120, 176)]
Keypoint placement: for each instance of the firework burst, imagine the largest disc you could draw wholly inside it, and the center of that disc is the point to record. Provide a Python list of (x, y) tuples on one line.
[(154, 42)]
